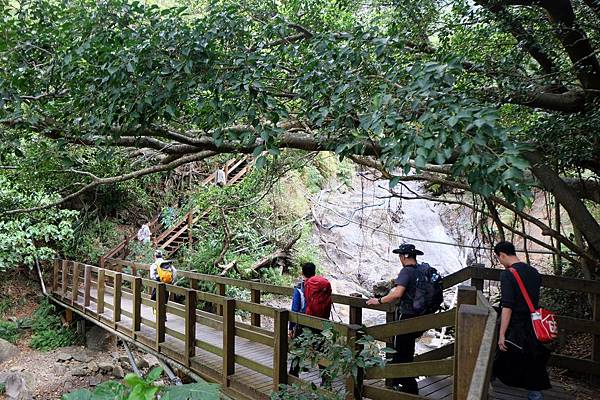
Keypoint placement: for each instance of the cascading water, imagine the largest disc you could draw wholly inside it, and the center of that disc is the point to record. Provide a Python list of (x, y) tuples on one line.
[(358, 228)]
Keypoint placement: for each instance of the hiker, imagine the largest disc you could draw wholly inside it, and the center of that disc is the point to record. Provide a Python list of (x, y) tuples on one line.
[(143, 235), (413, 303), (163, 271), (521, 361), (220, 177), (312, 296)]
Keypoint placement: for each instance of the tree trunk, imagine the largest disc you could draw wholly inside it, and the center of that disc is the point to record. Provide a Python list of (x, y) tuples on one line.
[(578, 212)]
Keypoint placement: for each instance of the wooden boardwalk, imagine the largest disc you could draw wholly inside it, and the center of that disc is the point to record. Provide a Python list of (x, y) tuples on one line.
[(250, 361)]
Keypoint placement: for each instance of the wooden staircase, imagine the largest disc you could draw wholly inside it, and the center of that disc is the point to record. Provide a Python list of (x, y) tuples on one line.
[(173, 238)]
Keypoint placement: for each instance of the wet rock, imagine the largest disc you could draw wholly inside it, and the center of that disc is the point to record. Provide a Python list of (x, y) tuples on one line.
[(382, 288), (7, 350), (118, 372), (97, 339), (16, 387)]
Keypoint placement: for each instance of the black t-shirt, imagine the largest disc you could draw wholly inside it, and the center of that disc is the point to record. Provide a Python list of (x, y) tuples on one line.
[(511, 296), (407, 278)]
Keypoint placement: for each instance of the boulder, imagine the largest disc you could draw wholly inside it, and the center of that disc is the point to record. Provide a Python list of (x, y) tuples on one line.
[(7, 350), (92, 367), (142, 363), (97, 339), (16, 387)]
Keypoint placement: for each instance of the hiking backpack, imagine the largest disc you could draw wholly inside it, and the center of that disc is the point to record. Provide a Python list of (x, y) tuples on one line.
[(165, 272), (429, 290), (317, 291)]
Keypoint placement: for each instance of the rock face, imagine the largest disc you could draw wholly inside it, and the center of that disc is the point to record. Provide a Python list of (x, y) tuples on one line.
[(17, 387), (97, 339), (7, 350), (118, 372)]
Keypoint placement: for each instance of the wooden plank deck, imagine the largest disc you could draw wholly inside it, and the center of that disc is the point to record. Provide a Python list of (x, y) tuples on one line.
[(246, 382)]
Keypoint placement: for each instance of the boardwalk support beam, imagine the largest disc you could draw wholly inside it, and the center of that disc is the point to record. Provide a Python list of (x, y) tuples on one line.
[(280, 348)]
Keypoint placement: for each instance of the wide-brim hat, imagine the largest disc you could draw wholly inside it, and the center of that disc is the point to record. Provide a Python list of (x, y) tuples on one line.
[(407, 248)]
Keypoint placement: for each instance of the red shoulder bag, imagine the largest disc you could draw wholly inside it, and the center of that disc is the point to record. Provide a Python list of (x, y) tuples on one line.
[(544, 321)]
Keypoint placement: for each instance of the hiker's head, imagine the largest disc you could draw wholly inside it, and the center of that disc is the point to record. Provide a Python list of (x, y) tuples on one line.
[(158, 254), (408, 253), (309, 269), (506, 253)]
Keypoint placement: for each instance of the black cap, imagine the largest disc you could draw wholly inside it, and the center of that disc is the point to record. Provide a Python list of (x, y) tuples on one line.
[(407, 248)]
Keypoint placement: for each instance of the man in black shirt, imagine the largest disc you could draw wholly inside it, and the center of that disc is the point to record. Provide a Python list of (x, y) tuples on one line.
[(405, 291), (522, 357)]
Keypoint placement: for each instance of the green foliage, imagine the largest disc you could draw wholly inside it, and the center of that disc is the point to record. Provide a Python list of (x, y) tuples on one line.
[(138, 388), (2, 388), (28, 236), (9, 331), (342, 362), (48, 331)]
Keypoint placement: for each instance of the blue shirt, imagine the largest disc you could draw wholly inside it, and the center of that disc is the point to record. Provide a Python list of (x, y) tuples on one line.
[(298, 302)]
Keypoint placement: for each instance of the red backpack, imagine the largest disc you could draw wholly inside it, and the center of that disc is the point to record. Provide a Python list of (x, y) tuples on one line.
[(317, 291)]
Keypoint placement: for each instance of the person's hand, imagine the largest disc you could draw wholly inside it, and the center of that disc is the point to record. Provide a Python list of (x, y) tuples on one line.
[(502, 344), (291, 334), (373, 301)]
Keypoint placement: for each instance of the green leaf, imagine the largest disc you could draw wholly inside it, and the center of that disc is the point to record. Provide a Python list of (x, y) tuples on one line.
[(261, 162), (394, 181), (133, 380), (81, 394), (170, 110), (154, 374), (193, 391)]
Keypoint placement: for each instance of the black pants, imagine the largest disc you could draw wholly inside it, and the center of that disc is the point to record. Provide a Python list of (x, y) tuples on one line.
[(153, 295), (405, 353)]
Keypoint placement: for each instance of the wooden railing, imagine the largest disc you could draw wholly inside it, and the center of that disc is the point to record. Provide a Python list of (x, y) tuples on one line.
[(468, 359)]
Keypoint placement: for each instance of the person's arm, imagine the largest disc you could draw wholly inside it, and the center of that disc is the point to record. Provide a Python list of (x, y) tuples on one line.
[(507, 301), (504, 321), (396, 293)]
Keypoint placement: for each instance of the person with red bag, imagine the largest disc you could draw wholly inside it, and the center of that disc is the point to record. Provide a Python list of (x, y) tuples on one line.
[(521, 361)]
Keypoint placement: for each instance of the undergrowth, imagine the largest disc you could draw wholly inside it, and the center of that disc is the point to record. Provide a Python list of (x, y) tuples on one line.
[(48, 331), (9, 331)]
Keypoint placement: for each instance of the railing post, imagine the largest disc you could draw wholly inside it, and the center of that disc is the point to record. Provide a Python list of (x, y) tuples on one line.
[(390, 316), (75, 291), (220, 292), (280, 348), (228, 340), (477, 282), (65, 271), (255, 298), (136, 318), (100, 292), (470, 327), (87, 283), (117, 298), (190, 325), (101, 261), (354, 387), (55, 275), (355, 317), (161, 314), (596, 337), (193, 284), (466, 295)]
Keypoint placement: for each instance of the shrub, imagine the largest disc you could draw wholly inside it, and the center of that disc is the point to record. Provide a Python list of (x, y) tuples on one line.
[(48, 332), (9, 331), (136, 388)]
